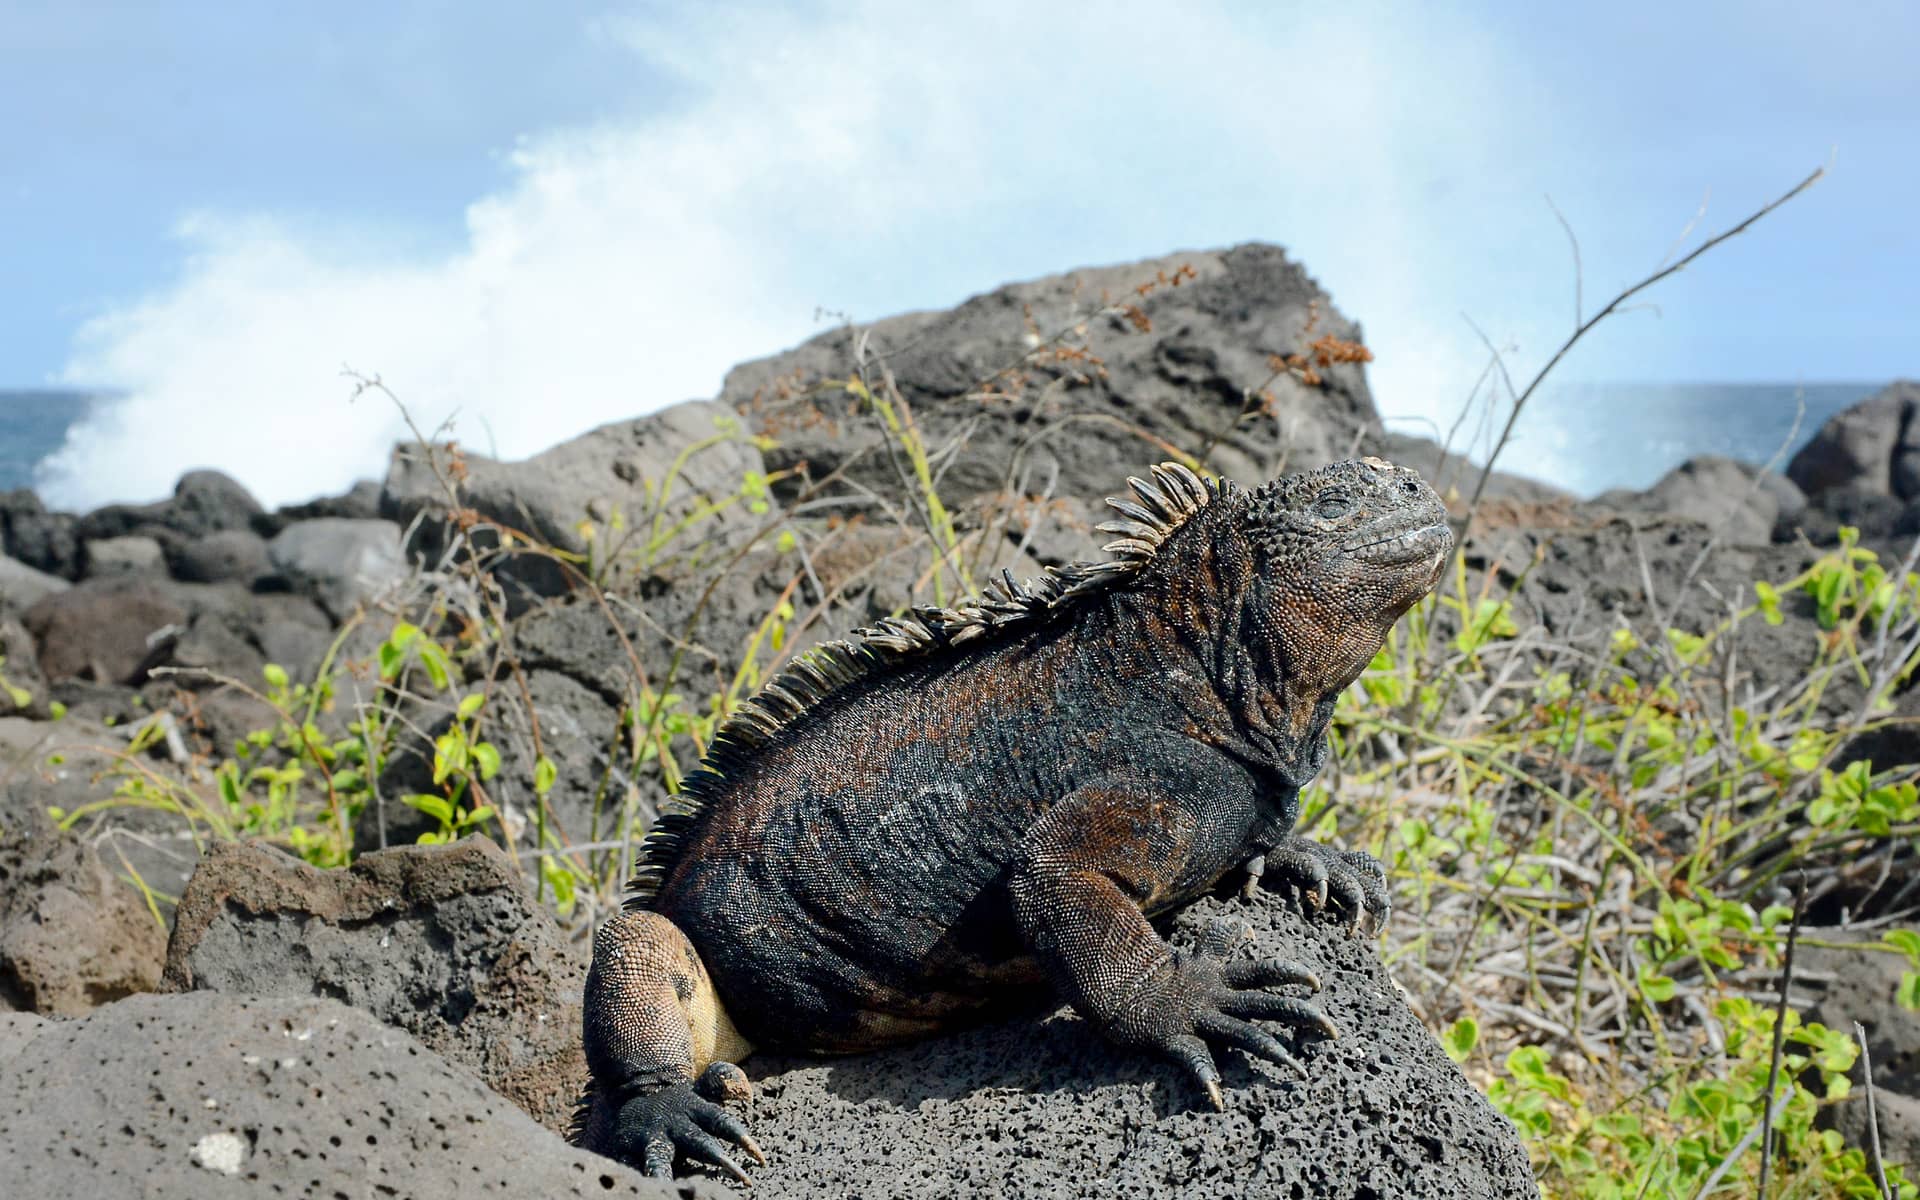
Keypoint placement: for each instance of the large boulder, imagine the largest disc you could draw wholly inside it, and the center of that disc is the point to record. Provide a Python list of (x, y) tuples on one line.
[(442, 941), (109, 630), (230, 555), (1873, 446), (1047, 1107), (230, 1096), (625, 485), (1019, 408), (131, 553), (72, 937), (339, 561)]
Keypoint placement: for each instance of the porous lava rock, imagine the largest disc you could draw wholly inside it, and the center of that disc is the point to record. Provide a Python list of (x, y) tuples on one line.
[(1049, 1108), (442, 941), (209, 1096)]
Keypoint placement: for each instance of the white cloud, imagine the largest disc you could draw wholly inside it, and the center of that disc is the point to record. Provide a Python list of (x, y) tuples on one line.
[(854, 161)]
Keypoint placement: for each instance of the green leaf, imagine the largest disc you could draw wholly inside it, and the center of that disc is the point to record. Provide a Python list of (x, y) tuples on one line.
[(544, 774), (1460, 1039), (487, 758), (470, 705), (436, 807), (276, 676), (57, 710), (1655, 986), (1906, 941), (449, 754), (438, 665), (1907, 994)]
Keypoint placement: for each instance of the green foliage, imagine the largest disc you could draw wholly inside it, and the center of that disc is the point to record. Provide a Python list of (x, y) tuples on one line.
[(1704, 1128), (1561, 783)]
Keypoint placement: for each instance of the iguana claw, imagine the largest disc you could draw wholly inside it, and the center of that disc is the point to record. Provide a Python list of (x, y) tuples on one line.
[(652, 1127), (1351, 878), (1217, 1002)]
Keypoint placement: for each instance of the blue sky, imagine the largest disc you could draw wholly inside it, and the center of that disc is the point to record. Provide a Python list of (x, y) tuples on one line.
[(545, 218)]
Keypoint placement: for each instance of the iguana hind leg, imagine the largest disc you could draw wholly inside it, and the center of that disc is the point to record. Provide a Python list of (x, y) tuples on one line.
[(660, 1048)]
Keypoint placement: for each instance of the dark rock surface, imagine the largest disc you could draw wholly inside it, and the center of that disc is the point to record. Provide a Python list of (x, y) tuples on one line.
[(1085, 421), (72, 937), (1049, 1108), (208, 1095), (442, 941)]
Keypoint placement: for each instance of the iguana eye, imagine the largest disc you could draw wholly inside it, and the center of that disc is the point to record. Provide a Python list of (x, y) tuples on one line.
[(1332, 508)]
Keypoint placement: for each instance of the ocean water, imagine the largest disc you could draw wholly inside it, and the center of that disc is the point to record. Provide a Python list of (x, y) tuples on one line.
[(1584, 437), (32, 426), (1588, 437)]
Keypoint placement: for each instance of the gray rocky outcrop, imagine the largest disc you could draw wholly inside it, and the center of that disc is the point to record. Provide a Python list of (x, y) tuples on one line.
[(210, 1095), (442, 941), (1741, 503), (1873, 446), (339, 561), (1084, 412), (627, 482), (1861, 986)]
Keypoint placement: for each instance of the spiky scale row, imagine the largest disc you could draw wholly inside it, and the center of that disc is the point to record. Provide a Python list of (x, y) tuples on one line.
[(1169, 500)]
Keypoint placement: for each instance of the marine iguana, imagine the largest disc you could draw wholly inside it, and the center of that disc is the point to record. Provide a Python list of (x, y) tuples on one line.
[(928, 824)]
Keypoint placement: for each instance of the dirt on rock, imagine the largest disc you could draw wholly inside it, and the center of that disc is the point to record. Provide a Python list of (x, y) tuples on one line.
[(72, 937), (441, 941)]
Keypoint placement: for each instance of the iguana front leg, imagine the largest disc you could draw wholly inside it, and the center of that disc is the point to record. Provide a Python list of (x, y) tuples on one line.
[(1353, 879), (1081, 885)]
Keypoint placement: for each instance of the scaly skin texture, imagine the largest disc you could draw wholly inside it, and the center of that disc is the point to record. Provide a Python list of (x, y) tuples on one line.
[(913, 831)]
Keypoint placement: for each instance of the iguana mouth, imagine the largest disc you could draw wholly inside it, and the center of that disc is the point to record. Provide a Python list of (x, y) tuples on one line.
[(1405, 546)]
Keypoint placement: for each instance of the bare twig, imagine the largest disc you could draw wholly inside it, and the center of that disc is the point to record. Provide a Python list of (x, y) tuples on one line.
[(1613, 306), (1779, 1041)]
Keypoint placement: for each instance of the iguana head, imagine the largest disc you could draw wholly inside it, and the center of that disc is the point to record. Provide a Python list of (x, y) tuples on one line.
[(1341, 554)]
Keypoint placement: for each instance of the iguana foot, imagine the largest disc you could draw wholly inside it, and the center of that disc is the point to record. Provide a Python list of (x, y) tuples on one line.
[(653, 1126), (1203, 998), (1353, 879)]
